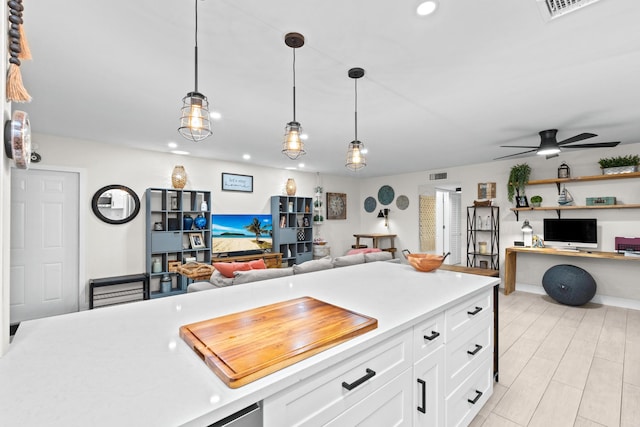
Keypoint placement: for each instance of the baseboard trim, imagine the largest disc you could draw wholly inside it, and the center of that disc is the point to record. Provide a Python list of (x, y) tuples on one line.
[(598, 299)]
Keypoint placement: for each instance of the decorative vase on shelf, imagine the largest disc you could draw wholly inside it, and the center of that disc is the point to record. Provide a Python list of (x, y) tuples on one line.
[(200, 222), (165, 284), (187, 222), (156, 267), (178, 177), (291, 187)]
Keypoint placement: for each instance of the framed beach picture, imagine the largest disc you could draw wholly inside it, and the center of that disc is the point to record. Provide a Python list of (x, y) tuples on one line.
[(234, 182)]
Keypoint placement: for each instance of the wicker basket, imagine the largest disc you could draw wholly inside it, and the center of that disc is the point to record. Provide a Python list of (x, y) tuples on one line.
[(196, 271), (424, 262)]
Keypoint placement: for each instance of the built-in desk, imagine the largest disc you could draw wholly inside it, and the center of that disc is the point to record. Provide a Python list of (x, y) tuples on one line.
[(512, 252), (376, 241)]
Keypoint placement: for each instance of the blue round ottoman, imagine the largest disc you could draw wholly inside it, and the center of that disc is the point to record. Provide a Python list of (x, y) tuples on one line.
[(569, 284)]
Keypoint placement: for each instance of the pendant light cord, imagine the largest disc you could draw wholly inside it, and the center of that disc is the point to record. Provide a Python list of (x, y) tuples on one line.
[(196, 48), (294, 84), (356, 111)]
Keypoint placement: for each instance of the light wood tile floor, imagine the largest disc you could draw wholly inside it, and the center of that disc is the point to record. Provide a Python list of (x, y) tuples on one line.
[(565, 366)]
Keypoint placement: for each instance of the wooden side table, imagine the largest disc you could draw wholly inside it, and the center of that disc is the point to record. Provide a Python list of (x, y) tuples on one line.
[(376, 241)]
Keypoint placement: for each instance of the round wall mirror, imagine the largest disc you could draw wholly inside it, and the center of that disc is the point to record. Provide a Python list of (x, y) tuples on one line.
[(115, 204)]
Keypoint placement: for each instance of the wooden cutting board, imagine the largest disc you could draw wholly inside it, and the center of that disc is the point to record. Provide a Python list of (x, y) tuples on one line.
[(245, 346)]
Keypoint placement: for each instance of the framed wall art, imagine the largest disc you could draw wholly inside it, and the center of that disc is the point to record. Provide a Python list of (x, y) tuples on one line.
[(234, 182), (336, 206)]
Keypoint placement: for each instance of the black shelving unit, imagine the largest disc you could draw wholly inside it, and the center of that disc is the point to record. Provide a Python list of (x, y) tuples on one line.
[(483, 226)]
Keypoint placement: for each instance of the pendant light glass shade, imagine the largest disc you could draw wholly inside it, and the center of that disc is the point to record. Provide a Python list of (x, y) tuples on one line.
[(293, 146), (355, 155), (195, 122)]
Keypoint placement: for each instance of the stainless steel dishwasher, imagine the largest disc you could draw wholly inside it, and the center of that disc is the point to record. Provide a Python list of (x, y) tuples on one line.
[(251, 416)]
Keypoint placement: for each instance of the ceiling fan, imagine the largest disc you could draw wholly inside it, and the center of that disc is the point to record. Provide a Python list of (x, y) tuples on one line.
[(550, 147)]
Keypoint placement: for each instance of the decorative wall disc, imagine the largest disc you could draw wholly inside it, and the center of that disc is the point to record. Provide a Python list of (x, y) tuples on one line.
[(386, 195), (402, 202), (370, 204)]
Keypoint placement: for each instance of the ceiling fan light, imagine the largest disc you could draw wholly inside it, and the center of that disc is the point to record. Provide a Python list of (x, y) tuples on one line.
[(355, 156), (547, 151), (293, 145)]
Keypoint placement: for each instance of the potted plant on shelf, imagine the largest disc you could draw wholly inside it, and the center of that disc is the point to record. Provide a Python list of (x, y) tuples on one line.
[(518, 178), (535, 201), (619, 164)]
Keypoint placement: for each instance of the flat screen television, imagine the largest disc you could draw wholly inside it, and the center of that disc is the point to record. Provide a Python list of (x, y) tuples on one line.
[(571, 233), (237, 234)]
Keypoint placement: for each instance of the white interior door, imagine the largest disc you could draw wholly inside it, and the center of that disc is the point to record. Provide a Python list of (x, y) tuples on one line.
[(44, 243)]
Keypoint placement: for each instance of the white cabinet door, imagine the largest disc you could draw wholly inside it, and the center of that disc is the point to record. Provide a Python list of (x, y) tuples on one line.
[(389, 406), (428, 401)]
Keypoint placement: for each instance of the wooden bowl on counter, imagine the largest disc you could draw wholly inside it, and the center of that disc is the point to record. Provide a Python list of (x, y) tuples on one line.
[(425, 262)]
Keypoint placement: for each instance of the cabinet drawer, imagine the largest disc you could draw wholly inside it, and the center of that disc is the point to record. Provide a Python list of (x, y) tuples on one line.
[(470, 397), (162, 241), (390, 405), (322, 397), (287, 235), (465, 314), (428, 336), (467, 352)]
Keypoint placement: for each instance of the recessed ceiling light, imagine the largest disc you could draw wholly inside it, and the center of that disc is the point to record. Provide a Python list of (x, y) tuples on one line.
[(300, 165), (215, 115), (180, 152), (172, 145), (365, 150), (246, 156), (304, 136), (427, 7), (290, 168)]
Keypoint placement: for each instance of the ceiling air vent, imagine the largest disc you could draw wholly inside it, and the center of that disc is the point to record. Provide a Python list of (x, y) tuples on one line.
[(552, 9), (439, 175)]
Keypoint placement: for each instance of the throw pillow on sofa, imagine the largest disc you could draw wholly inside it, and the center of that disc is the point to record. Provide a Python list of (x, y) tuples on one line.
[(256, 275), (257, 264), (228, 268), (313, 265)]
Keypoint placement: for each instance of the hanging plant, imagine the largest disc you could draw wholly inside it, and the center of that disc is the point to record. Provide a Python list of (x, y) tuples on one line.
[(518, 178)]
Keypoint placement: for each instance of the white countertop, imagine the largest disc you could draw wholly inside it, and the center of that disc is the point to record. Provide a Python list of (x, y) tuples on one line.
[(127, 366)]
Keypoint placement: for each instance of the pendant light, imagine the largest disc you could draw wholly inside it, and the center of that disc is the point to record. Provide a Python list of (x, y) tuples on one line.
[(355, 156), (293, 146), (195, 122)]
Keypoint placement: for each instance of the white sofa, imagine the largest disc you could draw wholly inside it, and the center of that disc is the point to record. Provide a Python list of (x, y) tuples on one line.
[(218, 280)]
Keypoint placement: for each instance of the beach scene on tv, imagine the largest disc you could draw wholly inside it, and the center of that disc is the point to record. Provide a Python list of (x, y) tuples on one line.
[(241, 232)]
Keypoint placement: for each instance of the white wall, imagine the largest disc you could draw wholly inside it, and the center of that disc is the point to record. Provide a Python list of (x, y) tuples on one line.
[(614, 278), (113, 250)]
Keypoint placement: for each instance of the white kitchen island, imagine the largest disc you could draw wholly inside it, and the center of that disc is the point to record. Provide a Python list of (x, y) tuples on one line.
[(127, 366)]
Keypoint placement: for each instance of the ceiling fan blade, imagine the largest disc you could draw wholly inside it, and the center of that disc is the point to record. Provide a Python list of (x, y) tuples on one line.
[(517, 154), (594, 145), (518, 146), (551, 156), (577, 138)]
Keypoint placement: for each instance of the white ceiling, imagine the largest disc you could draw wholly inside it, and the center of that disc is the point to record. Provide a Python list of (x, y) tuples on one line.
[(439, 91)]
